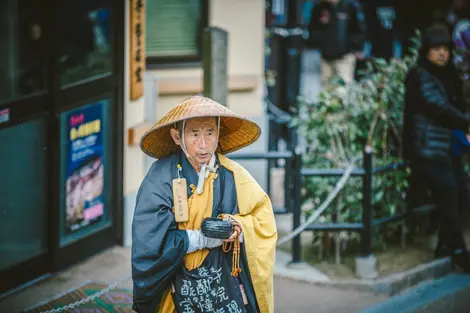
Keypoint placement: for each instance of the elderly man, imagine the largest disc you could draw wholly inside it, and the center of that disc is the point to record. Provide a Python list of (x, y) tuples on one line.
[(177, 267)]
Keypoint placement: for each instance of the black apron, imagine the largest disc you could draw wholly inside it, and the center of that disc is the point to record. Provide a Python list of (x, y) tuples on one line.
[(208, 288)]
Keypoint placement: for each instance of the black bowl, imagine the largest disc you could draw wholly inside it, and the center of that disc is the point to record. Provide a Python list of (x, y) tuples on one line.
[(216, 228)]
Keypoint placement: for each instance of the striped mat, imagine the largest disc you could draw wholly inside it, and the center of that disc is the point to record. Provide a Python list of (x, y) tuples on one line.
[(116, 301)]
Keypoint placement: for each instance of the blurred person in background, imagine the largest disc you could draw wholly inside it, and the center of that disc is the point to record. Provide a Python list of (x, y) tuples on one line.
[(458, 10), (461, 38), (433, 110), (337, 28), (381, 19)]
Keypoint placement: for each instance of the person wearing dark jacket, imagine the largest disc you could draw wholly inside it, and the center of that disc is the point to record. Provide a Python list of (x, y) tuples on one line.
[(337, 28), (433, 110), (381, 19)]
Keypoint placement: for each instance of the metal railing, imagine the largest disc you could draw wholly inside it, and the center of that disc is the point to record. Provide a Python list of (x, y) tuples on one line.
[(368, 222), (294, 175), (270, 156)]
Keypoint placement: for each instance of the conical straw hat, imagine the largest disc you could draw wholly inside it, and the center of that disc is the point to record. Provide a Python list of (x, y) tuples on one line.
[(236, 132)]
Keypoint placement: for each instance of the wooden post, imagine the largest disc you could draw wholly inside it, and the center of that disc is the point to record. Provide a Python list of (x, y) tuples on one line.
[(215, 43)]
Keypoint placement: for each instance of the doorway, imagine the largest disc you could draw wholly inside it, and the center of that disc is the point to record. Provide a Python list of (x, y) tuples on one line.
[(61, 134)]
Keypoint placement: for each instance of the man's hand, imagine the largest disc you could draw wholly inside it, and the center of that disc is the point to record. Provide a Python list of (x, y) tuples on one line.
[(237, 230)]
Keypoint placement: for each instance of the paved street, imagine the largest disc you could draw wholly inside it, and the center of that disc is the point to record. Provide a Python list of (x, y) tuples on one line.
[(112, 265), (291, 296)]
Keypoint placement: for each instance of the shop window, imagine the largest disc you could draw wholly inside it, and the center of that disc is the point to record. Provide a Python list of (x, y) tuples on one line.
[(85, 48), (22, 49), (85, 170), (23, 233), (174, 30)]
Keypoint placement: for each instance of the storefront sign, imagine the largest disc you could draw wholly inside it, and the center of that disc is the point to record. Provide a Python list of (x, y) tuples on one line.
[(137, 53), (84, 167)]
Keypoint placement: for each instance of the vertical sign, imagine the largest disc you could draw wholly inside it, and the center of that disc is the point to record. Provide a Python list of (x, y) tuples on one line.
[(84, 172), (137, 52), (215, 64)]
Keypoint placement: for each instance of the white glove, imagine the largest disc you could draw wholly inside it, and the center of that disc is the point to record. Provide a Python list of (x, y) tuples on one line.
[(197, 241)]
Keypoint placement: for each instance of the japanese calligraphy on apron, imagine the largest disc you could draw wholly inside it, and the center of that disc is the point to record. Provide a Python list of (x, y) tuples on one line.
[(208, 288), (205, 282)]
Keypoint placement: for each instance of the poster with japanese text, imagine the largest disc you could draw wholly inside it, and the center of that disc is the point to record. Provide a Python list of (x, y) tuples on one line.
[(84, 167)]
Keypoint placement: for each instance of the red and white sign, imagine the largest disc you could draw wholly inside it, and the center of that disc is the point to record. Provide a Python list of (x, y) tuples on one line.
[(4, 115)]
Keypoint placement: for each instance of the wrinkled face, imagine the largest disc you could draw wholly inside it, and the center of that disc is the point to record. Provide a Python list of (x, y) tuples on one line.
[(200, 138), (439, 55)]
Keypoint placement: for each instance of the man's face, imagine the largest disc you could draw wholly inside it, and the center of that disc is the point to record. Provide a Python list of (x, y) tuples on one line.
[(439, 55), (200, 138)]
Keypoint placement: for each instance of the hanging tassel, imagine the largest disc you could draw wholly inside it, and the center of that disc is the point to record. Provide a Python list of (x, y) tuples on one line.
[(226, 247), (236, 258)]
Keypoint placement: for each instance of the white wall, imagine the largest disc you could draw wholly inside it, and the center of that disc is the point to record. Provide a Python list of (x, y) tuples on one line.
[(244, 21)]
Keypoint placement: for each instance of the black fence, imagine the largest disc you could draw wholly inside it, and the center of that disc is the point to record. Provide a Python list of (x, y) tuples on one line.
[(295, 173)]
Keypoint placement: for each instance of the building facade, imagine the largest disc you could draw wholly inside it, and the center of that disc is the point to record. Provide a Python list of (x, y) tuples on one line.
[(175, 73), (61, 134), (71, 114)]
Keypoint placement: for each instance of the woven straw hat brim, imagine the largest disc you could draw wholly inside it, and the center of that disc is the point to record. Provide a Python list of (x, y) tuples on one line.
[(236, 132)]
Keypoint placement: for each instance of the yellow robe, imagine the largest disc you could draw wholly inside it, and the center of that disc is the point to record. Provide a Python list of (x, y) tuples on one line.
[(259, 229)]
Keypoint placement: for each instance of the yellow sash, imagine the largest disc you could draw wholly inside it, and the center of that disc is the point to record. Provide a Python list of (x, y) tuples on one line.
[(200, 207), (259, 232)]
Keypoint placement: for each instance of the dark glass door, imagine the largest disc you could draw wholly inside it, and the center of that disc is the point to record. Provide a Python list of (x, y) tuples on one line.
[(24, 143), (61, 134), (87, 106)]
